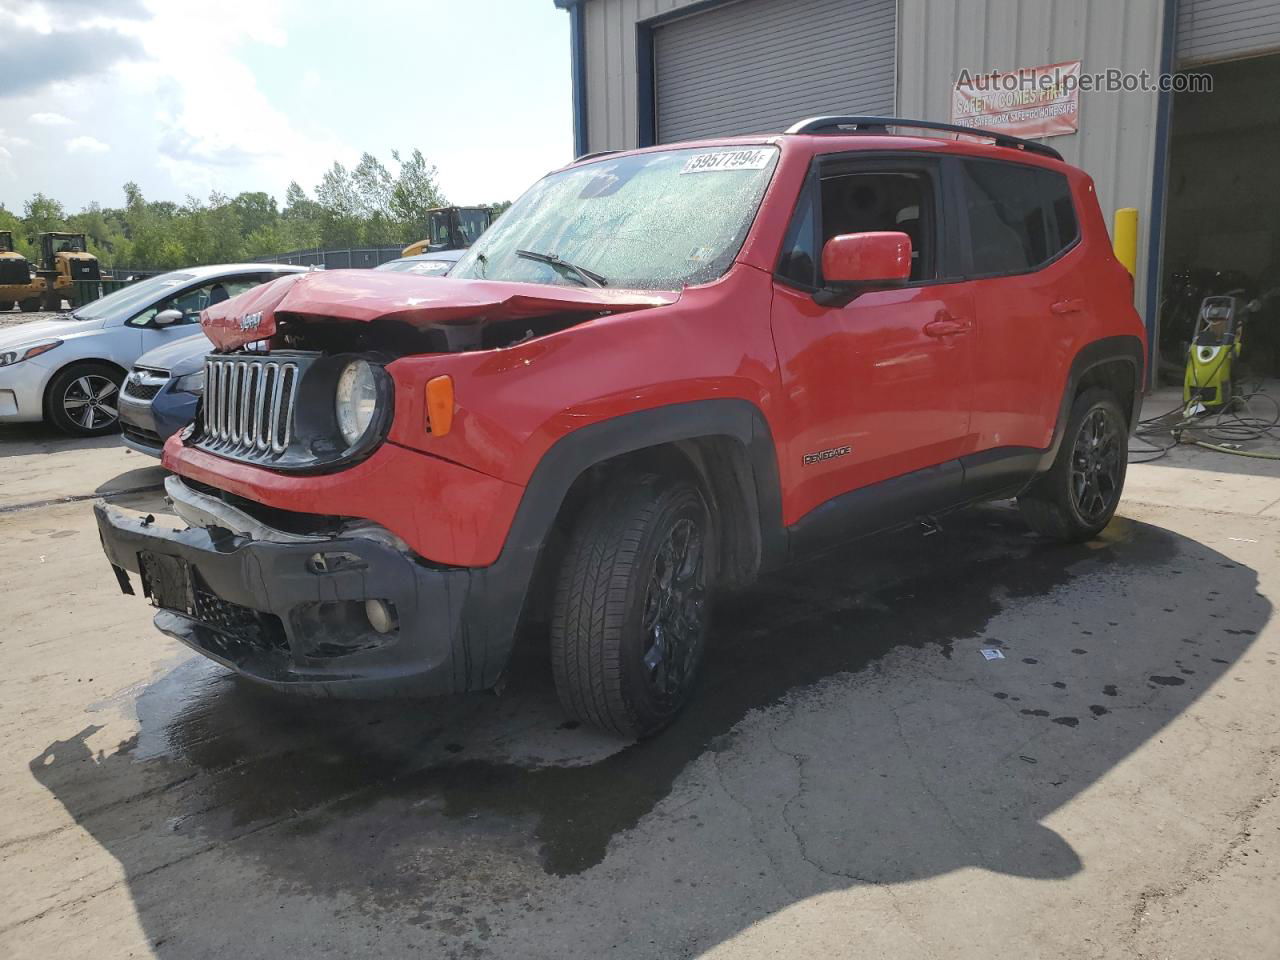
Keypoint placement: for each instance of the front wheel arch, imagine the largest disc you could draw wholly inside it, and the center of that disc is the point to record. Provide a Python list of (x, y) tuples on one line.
[(511, 588)]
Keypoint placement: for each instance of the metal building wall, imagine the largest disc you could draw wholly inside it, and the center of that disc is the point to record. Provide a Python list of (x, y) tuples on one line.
[(1116, 142), (737, 68), (611, 67)]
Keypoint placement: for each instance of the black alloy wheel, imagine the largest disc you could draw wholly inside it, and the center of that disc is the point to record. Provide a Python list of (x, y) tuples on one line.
[(1095, 465)]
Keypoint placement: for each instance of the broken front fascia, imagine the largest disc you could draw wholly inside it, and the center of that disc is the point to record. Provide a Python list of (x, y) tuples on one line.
[(209, 513), (346, 613)]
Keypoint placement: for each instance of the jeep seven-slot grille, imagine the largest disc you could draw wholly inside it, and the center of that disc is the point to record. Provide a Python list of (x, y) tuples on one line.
[(248, 406)]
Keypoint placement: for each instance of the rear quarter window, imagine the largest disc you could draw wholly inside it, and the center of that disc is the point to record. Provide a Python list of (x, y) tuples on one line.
[(1019, 217)]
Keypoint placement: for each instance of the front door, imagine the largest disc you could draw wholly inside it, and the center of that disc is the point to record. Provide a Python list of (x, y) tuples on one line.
[(190, 302), (878, 389)]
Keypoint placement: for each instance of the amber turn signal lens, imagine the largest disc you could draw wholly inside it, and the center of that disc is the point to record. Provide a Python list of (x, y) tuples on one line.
[(440, 405)]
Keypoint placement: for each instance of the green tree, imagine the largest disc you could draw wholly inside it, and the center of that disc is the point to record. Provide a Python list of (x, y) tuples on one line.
[(371, 203), (43, 214), (255, 211), (339, 208), (414, 192), (11, 222)]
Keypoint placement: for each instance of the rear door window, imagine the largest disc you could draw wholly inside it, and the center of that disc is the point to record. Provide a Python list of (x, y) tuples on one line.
[(1019, 217)]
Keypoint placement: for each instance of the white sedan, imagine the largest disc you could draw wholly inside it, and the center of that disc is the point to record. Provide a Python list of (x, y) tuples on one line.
[(68, 370)]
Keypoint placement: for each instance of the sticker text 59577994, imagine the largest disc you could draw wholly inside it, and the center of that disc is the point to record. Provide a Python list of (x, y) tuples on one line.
[(728, 160)]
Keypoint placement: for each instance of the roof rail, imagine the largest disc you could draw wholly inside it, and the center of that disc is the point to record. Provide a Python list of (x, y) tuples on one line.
[(817, 125)]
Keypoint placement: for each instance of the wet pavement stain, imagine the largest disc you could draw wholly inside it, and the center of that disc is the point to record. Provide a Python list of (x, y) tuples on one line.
[(837, 615), (1167, 681), (405, 792)]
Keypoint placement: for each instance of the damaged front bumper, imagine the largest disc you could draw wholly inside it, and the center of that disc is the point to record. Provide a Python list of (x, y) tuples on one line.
[(356, 614)]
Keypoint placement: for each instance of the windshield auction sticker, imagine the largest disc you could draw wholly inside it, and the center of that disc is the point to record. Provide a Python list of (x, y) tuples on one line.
[(728, 160)]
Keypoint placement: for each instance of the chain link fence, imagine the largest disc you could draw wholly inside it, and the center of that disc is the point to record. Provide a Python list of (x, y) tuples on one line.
[(340, 259)]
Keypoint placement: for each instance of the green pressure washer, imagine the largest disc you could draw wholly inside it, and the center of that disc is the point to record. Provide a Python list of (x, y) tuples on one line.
[(1215, 347)]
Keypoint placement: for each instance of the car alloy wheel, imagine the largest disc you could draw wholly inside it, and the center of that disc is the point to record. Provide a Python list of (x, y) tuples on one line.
[(90, 401), (675, 611), (1096, 465)]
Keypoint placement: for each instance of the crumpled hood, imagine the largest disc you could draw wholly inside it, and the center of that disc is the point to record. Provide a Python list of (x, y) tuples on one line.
[(362, 296), (34, 331)]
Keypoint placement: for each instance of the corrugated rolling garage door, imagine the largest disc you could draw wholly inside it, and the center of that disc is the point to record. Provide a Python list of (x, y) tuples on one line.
[(759, 65), (1214, 30)]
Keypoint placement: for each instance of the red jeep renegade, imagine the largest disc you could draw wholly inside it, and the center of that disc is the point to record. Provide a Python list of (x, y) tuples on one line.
[(658, 374)]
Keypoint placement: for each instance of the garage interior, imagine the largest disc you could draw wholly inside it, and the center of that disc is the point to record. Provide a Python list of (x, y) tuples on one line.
[(1222, 228)]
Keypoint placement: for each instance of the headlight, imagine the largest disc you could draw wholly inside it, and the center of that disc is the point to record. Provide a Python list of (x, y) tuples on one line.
[(356, 401), (18, 354), (192, 383)]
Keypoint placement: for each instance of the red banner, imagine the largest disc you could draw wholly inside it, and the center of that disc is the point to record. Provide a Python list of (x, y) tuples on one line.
[(1030, 102)]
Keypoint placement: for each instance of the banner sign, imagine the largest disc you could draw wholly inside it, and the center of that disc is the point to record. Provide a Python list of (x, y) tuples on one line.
[(1030, 102)]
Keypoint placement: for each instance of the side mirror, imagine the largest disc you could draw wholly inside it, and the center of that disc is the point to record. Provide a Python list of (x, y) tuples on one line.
[(853, 263), (166, 317)]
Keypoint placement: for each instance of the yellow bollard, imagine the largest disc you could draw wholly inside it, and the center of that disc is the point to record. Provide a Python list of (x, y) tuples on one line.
[(1125, 243)]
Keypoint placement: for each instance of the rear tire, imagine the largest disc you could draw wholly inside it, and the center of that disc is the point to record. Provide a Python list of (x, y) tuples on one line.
[(629, 621), (82, 400), (30, 305), (1077, 498)]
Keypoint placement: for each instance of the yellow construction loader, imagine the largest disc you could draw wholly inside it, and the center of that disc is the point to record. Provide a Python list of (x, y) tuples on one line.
[(451, 228), (18, 281), (64, 259)]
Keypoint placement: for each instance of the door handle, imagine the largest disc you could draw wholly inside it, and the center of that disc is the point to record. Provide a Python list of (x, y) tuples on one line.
[(945, 325), (1064, 307)]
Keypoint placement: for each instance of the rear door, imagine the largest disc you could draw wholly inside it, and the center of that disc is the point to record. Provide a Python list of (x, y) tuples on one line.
[(879, 388), (1020, 230)]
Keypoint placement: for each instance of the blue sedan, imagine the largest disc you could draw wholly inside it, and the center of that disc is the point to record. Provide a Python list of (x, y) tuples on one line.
[(161, 393)]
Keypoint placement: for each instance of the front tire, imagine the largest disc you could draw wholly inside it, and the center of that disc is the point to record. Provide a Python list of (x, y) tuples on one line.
[(1077, 498), (82, 399), (631, 609), (30, 305)]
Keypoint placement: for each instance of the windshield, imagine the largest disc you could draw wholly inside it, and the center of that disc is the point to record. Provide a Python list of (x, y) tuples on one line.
[(132, 298), (651, 221)]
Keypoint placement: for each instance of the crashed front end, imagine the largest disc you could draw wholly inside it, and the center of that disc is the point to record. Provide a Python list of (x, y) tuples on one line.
[(344, 610), (325, 550)]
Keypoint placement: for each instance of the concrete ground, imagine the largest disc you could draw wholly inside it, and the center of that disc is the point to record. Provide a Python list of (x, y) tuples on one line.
[(11, 317), (853, 779)]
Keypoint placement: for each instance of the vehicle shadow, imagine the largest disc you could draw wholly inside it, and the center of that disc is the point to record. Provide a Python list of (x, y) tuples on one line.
[(486, 825), (26, 439)]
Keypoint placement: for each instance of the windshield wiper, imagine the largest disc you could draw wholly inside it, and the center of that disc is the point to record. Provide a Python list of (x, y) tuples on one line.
[(588, 277)]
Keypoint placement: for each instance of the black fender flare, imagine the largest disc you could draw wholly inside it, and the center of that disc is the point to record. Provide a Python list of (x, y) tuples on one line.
[(498, 594), (1126, 348)]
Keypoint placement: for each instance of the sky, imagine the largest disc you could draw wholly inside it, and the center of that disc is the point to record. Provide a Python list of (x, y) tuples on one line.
[(187, 97)]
